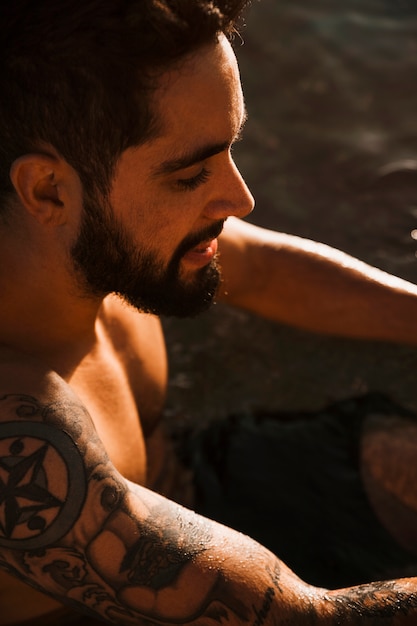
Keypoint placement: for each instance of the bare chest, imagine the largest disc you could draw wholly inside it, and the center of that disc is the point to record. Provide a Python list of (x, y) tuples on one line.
[(122, 385), (105, 391)]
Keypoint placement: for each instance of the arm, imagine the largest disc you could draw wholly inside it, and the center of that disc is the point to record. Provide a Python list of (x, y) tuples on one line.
[(313, 286), (72, 527)]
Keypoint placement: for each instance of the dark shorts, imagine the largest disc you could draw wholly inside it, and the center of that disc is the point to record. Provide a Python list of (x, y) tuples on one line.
[(292, 481)]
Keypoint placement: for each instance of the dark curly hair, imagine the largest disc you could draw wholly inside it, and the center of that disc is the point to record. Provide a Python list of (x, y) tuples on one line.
[(79, 75)]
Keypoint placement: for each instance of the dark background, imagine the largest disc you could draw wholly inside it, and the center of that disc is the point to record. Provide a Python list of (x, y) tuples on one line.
[(330, 153)]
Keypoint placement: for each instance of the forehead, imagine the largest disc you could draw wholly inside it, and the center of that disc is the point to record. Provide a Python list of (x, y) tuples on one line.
[(206, 85), (198, 103), (199, 110)]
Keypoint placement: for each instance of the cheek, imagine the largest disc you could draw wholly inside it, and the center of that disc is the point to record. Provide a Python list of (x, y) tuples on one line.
[(162, 226), (158, 231), (157, 219)]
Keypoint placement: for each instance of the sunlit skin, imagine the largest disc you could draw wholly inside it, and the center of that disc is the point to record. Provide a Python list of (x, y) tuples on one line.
[(73, 361), (183, 183)]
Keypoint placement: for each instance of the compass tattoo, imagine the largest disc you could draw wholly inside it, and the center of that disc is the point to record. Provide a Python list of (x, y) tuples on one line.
[(37, 507)]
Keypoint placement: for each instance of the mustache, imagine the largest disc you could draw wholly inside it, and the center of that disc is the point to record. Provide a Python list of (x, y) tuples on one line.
[(191, 241)]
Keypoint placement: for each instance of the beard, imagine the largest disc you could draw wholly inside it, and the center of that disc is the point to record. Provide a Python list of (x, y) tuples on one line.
[(106, 260)]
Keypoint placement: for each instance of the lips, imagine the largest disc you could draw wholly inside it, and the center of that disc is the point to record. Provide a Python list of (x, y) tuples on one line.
[(202, 254), (202, 247)]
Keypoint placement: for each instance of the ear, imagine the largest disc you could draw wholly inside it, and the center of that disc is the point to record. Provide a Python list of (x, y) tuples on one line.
[(36, 178)]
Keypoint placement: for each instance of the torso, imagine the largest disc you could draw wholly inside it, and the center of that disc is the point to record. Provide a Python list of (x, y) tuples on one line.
[(122, 384)]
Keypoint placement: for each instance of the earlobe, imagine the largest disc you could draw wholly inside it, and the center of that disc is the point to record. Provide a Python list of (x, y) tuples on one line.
[(34, 177)]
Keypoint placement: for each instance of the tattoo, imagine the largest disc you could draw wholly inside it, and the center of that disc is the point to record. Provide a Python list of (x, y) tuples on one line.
[(263, 612), (157, 564), (37, 509), (64, 511), (376, 603)]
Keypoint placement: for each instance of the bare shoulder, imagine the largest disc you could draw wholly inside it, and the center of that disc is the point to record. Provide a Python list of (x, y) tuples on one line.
[(26, 385), (40, 411), (47, 445)]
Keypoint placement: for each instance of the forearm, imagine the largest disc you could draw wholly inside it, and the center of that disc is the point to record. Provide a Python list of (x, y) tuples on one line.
[(388, 603), (315, 287)]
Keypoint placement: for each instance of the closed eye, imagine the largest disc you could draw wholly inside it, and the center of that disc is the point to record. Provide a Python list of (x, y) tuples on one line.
[(189, 184)]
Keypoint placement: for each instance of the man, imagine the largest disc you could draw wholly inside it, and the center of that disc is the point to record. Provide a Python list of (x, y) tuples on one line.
[(117, 121)]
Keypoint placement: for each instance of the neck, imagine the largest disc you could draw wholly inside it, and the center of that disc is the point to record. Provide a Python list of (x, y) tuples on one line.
[(42, 313), (53, 336)]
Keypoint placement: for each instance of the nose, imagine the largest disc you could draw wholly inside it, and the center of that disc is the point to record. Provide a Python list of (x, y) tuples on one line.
[(232, 196)]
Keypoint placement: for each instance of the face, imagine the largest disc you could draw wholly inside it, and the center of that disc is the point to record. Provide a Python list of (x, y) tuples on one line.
[(154, 242)]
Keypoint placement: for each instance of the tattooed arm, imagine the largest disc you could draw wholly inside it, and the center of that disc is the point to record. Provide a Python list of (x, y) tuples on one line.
[(73, 528)]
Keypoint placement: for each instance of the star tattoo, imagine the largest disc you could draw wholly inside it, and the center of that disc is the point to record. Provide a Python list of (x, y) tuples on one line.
[(24, 492)]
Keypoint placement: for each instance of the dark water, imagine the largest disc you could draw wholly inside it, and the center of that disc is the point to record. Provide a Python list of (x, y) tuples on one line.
[(331, 146)]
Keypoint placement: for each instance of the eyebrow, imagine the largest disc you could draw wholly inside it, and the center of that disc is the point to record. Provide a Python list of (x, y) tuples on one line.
[(197, 155), (187, 159)]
